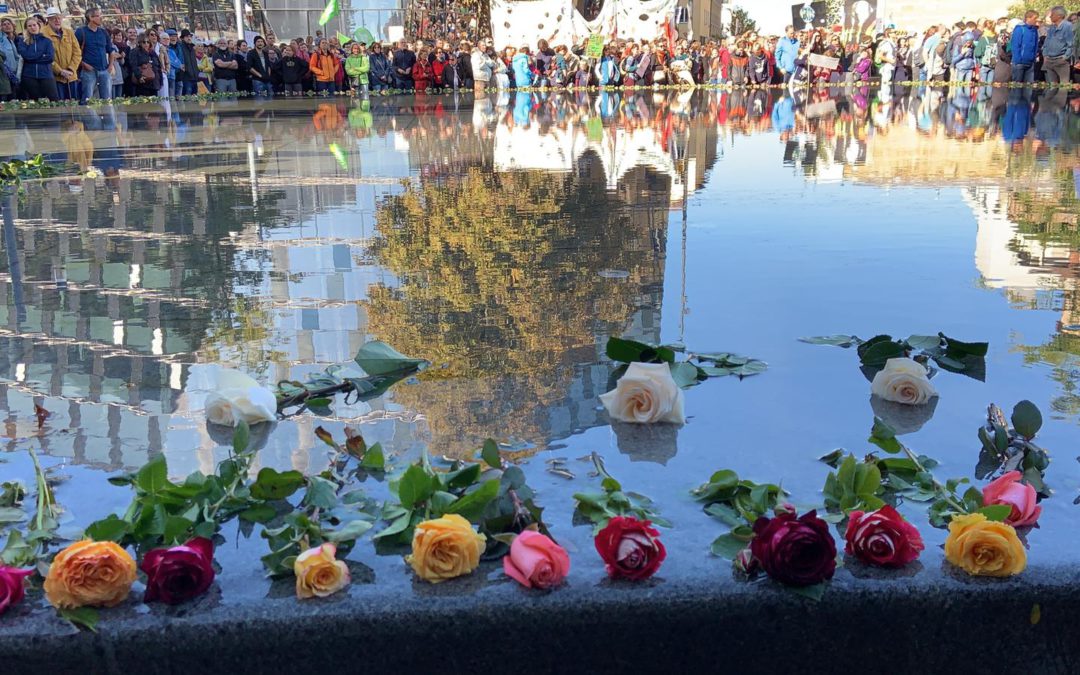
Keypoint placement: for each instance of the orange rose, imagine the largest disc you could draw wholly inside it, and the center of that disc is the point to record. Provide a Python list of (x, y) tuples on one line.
[(90, 573)]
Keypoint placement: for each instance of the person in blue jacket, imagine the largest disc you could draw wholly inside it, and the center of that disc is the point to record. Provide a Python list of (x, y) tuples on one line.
[(1024, 45), (380, 77), (963, 61), (787, 49), (520, 64), (37, 53)]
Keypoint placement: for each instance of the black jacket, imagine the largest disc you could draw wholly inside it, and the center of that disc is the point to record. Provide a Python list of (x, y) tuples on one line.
[(190, 73), (255, 64), (292, 69), (136, 59)]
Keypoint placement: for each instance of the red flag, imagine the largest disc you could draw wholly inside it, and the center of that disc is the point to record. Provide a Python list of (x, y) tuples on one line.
[(670, 34)]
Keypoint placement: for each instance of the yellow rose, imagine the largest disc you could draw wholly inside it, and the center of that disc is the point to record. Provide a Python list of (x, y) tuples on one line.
[(90, 573), (445, 548), (984, 547), (319, 573)]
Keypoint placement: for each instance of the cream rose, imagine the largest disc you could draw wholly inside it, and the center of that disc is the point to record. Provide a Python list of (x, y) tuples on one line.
[(645, 394), (238, 397), (903, 381)]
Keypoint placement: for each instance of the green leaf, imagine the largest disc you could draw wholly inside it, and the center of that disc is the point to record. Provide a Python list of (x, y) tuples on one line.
[(81, 617), (609, 484), (490, 454), (462, 478), (441, 501), (472, 505), (111, 528), (833, 458), (879, 353), (844, 341), (877, 339), (630, 351), (884, 436), (685, 374), (728, 545), (374, 459), (996, 512), (815, 592), (379, 358), (724, 514), (396, 526), (153, 476), (321, 493), (956, 347), (176, 529), (271, 484), (867, 479), (259, 513), (351, 531), (753, 367), (1026, 419), (11, 514), (924, 342), (241, 437), (415, 486)]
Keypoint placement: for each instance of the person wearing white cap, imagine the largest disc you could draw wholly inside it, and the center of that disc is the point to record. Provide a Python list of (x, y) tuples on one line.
[(68, 54)]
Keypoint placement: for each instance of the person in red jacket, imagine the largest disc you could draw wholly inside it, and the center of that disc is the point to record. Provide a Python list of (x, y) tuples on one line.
[(421, 71), (438, 66)]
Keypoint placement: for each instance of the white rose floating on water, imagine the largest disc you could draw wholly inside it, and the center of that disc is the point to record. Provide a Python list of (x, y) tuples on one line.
[(903, 381), (238, 397), (645, 394)]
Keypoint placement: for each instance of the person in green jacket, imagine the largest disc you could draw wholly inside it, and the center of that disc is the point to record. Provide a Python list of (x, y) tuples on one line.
[(357, 66)]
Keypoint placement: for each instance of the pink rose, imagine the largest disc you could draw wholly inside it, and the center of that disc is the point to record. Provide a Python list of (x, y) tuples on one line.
[(1021, 497), (535, 561), (12, 588)]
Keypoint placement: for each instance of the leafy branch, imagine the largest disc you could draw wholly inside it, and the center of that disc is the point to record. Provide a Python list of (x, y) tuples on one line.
[(697, 368), (25, 550), (384, 366), (599, 508), (1006, 448), (490, 494), (737, 503), (956, 356)]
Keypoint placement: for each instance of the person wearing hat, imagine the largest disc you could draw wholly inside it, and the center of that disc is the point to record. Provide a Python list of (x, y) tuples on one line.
[(68, 55), (98, 53), (187, 72)]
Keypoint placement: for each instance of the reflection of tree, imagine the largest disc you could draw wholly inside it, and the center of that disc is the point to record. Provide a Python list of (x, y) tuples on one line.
[(501, 289), (1062, 354)]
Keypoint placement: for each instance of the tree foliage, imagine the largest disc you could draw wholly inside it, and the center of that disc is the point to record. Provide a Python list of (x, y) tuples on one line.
[(741, 22)]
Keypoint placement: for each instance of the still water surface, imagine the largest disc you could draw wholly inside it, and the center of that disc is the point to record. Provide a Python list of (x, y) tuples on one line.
[(505, 241)]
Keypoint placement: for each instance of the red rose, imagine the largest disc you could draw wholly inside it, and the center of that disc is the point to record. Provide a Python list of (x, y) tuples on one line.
[(631, 548), (882, 538), (12, 589), (178, 574), (794, 551)]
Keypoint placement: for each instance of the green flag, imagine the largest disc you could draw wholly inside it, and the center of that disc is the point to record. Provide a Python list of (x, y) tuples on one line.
[(342, 38), (329, 13)]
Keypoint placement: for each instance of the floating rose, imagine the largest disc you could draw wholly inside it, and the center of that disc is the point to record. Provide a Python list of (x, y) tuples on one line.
[(319, 573), (630, 548), (1010, 491), (12, 586), (645, 394), (797, 551), (984, 547), (882, 538), (90, 574), (903, 381), (535, 561), (238, 398), (180, 573), (445, 548)]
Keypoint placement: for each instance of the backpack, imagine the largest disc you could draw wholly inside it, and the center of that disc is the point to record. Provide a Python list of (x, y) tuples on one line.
[(990, 55)]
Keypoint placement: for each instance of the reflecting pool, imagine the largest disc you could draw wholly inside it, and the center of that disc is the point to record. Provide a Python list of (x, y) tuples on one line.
[(505, 240)]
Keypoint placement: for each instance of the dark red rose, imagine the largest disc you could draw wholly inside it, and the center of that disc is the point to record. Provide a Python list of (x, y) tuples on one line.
[(882, 538), (631, 548), (178, 574), (794, 551)]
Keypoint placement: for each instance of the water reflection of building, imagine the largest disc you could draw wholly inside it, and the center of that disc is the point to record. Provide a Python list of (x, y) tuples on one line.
[(219, 236)]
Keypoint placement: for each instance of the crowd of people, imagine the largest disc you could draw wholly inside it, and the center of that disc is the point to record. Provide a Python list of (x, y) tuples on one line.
[(48, 59)]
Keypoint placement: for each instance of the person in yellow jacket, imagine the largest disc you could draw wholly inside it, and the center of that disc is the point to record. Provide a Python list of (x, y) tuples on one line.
[(68, 56)]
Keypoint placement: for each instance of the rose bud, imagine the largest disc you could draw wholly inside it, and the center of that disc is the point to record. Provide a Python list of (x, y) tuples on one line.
[(882, 538), (745, 562), (630, 548), (795, 551), (180, 573), (786, 507)]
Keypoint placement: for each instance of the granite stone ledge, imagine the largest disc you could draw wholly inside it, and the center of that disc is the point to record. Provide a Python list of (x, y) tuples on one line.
[(940, 624)]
